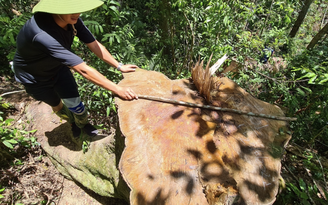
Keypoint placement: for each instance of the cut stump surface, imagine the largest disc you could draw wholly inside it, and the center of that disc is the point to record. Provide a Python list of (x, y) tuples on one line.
[(182, 155)]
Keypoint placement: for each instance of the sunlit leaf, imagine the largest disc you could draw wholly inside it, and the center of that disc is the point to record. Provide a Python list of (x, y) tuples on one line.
[(7, 144), (107, 111)]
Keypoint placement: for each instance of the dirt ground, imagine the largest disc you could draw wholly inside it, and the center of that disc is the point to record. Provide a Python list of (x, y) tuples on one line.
[(31, 178)]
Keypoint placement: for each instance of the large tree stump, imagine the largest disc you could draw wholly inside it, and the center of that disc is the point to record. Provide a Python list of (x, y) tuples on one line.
[(183, 155)]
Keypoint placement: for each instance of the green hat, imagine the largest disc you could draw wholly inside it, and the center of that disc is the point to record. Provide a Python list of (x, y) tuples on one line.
[(66, 6)]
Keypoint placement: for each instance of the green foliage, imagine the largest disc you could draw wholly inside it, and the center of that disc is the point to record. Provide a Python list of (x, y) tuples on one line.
[(9, 28), (310, 97), (312, 65), (1, 190), (3, 106), (85, 146), (94, 27), (8, 138), (114, 32), (99, 101), (12, 138), (302, 193), (308, 188)]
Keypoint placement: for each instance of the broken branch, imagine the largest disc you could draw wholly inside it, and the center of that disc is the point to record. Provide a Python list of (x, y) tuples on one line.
[(210, 107)]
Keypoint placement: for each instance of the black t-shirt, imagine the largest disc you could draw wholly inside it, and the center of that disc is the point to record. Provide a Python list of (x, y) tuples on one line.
[(43, 48)]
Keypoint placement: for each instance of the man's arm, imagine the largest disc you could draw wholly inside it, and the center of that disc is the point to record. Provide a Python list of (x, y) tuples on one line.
[(102, 53), (97, 78)]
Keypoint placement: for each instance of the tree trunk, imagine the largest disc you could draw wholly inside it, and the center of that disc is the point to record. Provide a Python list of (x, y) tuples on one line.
[(317, 37), (300, 18), (164, 24)]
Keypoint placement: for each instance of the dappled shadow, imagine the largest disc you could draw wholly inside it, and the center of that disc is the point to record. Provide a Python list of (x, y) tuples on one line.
[(264, 171), (190, 180), (203, 127), (195, 153), (210, 145), (177, 114), (225, 130), (157, 200)]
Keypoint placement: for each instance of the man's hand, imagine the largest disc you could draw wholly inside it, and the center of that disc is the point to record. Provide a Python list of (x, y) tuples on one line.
[(97, 78), (126, 93), (128, 68)]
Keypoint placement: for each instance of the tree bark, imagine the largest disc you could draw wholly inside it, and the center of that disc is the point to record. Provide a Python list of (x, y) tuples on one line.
[(300, 18), (164, 24), (317, 37)]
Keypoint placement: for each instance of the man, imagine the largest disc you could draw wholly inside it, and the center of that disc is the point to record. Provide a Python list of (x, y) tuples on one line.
[(43, 60)]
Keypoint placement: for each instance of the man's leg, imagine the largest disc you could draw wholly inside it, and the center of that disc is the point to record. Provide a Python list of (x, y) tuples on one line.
[(66, 88), (63, 112), (46, 93), (79, 112), (80, 115), (58, 107)]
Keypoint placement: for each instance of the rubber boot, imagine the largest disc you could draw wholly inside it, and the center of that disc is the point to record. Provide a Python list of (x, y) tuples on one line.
[(65, 114), (82, 122)]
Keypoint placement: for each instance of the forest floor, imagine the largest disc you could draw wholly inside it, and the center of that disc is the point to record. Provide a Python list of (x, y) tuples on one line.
[(31, 178)]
